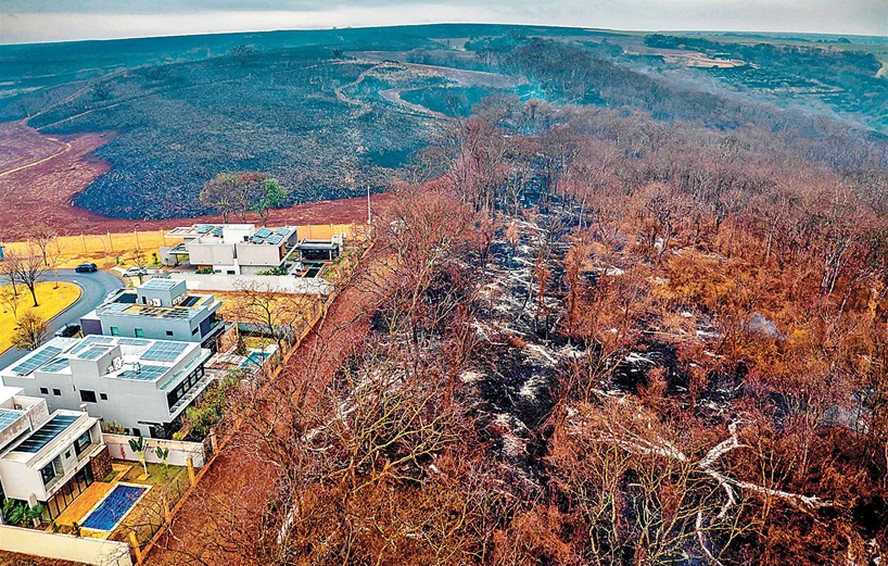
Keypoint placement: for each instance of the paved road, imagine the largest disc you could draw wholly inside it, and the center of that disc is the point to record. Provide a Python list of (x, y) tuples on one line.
[(94, 286)]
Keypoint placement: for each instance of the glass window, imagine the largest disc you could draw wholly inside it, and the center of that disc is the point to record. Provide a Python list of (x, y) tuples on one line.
[(103, 396), (169, 332), (139, 334), (88, 396), (82, 442), (44, 391), (47, 472), (57, 392), (115, 331)]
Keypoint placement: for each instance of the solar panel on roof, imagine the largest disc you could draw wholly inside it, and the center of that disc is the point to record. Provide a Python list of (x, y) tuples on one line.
[(164, 351), (145, 372), (282, 231), (217, 231), (274, 240), (39, 358), (94, 352), (44, 435), (8, 417), (57, 364), (203, 228), (263, 232)]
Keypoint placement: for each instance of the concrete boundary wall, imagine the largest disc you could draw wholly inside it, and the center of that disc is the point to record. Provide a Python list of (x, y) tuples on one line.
[(271, 283), (94, 551), (180, 451)]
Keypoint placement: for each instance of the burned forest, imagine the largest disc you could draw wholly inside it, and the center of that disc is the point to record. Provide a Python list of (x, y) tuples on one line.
[(583, 336)]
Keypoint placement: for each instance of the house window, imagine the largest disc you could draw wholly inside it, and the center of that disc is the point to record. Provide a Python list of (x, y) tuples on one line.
[(44, 391), (57, 392), (139, 334), (47, 473), (169, 332), (193, 332), (115, 331), (103, 396), (67, 454), (87, 396), (81, 443), (231, 272)]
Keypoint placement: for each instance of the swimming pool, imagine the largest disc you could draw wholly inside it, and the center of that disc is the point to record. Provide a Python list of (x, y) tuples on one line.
[(255, 359), (111, 510)]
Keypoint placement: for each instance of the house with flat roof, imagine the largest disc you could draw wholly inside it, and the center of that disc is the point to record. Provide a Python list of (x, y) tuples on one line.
[(140, 385), (47, 459), (161, 309), (231, 249)]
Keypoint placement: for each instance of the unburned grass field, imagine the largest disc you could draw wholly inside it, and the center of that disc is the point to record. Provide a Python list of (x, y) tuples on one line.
[(52, 300)]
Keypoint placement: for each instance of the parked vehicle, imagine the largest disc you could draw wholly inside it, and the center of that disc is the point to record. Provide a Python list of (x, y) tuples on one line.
[(86, 268), (135, 272), (68, 331)]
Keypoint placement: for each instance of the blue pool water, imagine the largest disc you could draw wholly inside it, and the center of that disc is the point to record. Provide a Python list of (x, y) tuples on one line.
[(113, 508), (255, 359)]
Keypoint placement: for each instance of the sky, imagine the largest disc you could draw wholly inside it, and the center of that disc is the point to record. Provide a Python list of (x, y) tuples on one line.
[(24, 21)]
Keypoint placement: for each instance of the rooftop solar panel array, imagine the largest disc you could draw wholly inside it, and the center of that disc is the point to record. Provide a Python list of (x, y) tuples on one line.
[(45, 434), (39, 358), (165, 312), (94, 353), (145, 372), (164, 351), (268, 236), (203, 228), (55, 365), (160, 283), (8, 417)]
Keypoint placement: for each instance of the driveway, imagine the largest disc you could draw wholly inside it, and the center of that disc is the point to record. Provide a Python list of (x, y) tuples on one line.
[(94, 287)]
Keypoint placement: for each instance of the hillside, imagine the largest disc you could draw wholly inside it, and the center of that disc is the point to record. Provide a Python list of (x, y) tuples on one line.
[(331, 112)]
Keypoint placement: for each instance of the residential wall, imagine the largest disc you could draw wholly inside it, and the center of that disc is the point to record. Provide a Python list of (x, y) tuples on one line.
[(180, 451), (93, 551), (210, 254), (274, 283), (155, 328), (264, 256)]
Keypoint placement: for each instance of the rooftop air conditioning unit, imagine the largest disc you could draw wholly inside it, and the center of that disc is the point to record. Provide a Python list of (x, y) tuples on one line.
[(117, 363), (155, 302)]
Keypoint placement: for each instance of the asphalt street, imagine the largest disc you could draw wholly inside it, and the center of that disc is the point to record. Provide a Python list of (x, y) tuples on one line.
[(94, 286)]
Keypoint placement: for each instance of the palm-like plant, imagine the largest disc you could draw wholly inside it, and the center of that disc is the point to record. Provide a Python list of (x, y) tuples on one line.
[(19, 513), (138, 446)]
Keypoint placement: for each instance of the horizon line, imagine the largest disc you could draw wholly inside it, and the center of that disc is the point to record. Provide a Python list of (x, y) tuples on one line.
[(442, 23)]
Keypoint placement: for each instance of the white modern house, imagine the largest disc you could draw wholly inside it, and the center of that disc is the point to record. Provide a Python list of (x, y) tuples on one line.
[(161, 309), (231, 249), (47, 459), (136, 384)]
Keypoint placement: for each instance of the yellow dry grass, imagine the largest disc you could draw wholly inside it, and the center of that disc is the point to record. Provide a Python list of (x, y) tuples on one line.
[(51, 301)]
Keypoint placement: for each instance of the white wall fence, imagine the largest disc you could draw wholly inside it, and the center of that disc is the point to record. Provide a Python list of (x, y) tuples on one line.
[(180, 450), (270, 283), (64, 547)]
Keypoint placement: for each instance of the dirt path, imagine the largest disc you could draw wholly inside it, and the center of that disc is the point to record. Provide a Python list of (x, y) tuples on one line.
[(339, 91), (66, 147), (394, 95), (236, 470)]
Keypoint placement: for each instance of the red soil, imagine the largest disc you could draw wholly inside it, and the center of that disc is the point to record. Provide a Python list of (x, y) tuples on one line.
[(236, 471), (40, 176)]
